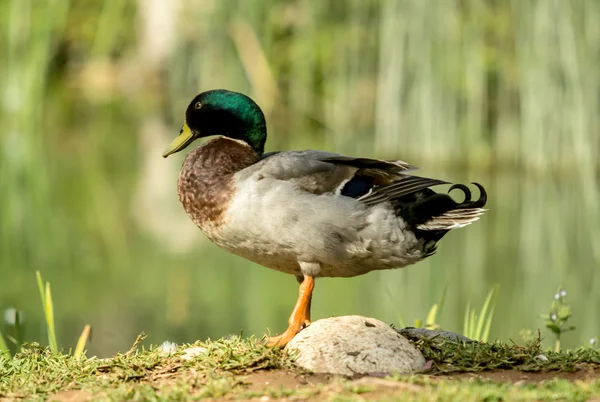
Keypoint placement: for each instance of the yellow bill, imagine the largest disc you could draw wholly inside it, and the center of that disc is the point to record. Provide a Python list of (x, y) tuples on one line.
[(184, 139)]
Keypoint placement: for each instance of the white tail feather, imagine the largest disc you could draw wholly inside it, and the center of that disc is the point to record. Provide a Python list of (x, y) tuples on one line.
[(454, 219)]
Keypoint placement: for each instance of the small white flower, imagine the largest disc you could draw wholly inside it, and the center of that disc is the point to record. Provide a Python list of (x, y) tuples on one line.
[(167, 348), (557, 296), (563, 293), (593, 341), (553, 317)]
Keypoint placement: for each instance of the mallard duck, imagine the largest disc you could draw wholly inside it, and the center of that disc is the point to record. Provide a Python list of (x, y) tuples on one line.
[(306, 213)]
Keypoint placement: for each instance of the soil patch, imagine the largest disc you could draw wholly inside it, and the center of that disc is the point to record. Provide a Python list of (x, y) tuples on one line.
[(309, 387), (515, 376), (274, 379)]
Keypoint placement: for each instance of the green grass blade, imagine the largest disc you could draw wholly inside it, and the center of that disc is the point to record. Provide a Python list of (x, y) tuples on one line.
[(488, 324), (3, 347), (87, 330), (46, 296), (40, 286), (483, 314), (49, 311), (492, 305), (472, 320), (466, 320), (431, 316)]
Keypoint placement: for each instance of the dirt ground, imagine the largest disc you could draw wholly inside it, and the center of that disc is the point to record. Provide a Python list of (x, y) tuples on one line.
[(381, 387), (269, 379), (515, 377)]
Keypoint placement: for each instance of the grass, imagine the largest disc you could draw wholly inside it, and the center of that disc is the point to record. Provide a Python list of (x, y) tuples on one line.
[(477, 326), (39, 371), (225, 368), (3, 346), (450, 357), (48, 309), (48, 305)]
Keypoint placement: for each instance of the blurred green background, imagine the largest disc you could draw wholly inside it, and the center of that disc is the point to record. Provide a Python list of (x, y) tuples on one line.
[(506, 93)]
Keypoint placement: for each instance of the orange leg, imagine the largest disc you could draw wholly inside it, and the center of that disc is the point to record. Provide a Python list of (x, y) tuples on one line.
[(300, 317), (307, 318)]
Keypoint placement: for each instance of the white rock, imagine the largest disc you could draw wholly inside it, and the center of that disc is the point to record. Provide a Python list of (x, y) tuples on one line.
[(354, 345)]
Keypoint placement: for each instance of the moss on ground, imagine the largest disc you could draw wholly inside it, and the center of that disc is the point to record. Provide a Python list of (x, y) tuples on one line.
[(451, 357)]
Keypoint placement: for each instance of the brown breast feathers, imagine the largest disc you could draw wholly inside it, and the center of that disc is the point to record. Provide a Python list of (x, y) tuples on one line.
[(205, 183)]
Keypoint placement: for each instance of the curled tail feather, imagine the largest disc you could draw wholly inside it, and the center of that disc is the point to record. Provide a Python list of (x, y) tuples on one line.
[(461, 214)]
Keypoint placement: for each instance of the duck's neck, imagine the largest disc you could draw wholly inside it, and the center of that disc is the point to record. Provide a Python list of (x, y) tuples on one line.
[(205, 184), (256, 137)]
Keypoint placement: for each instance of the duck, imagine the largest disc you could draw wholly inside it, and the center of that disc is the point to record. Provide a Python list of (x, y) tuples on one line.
[(309, 213)]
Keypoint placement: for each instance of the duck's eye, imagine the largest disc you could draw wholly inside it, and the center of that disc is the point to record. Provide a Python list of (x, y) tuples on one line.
[(198, 105)]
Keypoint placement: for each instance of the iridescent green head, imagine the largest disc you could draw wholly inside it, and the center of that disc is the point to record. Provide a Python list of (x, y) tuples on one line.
[(222, 112)]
